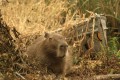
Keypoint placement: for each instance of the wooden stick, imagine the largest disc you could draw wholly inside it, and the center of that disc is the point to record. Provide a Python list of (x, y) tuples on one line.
[(18, 74), (108, 76)]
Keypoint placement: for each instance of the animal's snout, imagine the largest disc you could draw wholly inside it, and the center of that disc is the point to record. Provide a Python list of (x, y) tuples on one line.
[(62, 49)]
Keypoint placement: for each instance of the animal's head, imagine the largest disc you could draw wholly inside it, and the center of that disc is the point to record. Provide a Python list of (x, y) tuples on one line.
[(55, 45)]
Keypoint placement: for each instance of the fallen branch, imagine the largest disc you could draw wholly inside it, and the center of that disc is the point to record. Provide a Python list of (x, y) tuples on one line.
[(104, 77)]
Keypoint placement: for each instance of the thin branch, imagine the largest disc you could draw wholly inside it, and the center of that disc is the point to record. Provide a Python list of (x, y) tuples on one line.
[(18, 74)]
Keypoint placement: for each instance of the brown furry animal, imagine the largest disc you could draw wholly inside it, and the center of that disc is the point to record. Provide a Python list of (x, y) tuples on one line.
[(51, 53)]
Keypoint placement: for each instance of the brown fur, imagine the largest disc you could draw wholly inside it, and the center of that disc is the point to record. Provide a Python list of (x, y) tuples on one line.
[(50, 52)]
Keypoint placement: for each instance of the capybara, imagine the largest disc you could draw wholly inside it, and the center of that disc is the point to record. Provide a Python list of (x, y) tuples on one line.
[(50, 53)]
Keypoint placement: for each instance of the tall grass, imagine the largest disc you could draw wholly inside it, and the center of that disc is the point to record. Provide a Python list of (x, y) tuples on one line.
[(35, 15), (39, 15), (108, 7)]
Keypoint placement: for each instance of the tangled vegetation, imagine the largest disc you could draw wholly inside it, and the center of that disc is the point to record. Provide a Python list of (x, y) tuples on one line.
[(22, 21)]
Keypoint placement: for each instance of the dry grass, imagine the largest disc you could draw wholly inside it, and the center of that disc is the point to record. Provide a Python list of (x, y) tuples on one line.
[(31, 17)]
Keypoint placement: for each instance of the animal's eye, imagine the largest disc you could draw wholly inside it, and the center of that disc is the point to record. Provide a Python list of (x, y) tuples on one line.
[(63, 46), (50, 38)]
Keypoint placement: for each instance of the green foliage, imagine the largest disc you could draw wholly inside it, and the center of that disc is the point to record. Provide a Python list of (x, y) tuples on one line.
[(108, 7), (118, 53), (114, 46)]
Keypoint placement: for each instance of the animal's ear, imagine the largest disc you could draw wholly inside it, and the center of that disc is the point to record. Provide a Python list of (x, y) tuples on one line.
[(47, 35)]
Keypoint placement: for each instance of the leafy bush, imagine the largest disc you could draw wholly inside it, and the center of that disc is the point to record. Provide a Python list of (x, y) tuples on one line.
[(114, 46)]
